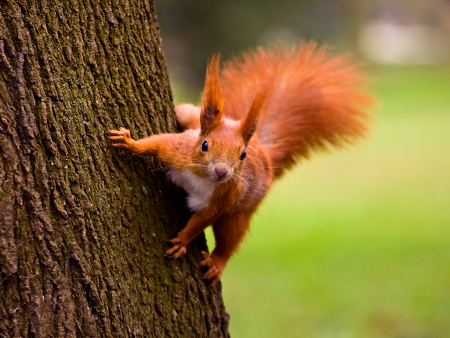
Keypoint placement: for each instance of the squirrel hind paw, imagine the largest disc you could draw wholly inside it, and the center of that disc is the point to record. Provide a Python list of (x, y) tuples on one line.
[(215, 268)]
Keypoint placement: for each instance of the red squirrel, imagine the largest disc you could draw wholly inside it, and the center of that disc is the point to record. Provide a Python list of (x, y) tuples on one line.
[(264, 111)]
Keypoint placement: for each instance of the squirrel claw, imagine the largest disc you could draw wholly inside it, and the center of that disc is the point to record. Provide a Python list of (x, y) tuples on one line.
[(213, 275), (176, 252), (173, 241)]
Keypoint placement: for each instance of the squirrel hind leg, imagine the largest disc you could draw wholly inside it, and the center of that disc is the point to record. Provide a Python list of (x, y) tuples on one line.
[(188, 116)]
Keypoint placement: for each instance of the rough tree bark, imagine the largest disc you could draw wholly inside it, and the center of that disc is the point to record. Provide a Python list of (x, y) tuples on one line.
[(83, 226)]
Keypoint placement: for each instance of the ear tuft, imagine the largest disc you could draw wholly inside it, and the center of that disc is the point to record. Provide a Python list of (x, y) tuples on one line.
[(248, 124), (212, 97)]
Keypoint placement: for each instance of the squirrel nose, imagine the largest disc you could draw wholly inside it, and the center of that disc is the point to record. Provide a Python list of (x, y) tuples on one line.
[(220, 172)]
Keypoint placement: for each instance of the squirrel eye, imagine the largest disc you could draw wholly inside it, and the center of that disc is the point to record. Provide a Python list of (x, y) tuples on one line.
[(205, 146), (242, 155)]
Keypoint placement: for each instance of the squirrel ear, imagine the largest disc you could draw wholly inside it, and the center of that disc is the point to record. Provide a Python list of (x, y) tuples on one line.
[(248, 124), (212, 97)]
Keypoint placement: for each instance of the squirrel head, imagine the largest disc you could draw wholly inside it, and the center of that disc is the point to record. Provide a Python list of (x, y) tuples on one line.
[(221, 148)]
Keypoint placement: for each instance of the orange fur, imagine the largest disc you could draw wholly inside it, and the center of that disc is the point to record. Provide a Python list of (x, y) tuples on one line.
[(212, 98), (276, 105), (315, 100)]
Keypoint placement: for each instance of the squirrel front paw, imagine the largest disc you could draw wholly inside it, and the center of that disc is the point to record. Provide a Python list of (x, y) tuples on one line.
[(215, 267), (122, 139), (178, 250)]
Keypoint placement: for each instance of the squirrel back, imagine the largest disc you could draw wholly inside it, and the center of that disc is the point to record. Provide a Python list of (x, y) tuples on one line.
[(314, 101)]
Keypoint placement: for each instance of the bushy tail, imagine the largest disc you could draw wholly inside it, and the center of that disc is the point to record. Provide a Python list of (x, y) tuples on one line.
[(315, 101)]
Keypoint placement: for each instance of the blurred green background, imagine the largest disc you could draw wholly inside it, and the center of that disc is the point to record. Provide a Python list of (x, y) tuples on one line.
[(354, 243)]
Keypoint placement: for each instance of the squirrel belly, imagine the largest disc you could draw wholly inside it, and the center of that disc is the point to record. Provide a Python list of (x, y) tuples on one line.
[(199, 189)]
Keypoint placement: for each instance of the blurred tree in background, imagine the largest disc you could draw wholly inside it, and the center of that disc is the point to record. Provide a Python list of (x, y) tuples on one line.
[(194, 30)]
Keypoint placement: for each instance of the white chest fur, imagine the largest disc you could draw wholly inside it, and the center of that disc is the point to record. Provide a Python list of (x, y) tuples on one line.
[(199, 189)]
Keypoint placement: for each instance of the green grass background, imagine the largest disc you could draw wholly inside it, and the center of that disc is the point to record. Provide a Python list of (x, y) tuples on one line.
[(356, 243)]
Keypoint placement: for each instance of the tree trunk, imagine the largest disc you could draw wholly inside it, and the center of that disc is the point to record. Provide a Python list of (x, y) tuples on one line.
[(83, 226)]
